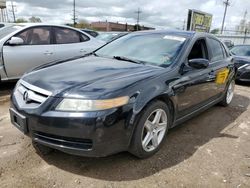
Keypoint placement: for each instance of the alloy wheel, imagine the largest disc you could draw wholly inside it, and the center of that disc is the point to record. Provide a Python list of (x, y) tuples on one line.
[(154, 130), (230, 92)]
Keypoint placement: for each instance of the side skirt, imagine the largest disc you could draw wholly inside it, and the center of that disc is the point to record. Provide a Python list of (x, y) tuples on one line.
[(196, 112)]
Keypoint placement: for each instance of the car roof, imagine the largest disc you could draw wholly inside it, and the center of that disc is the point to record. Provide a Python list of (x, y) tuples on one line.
[(169, 32), (182, 33), (85, 29), (41, 24)]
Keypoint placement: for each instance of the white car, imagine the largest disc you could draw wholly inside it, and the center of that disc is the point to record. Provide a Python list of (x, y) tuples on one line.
[(26, 46)]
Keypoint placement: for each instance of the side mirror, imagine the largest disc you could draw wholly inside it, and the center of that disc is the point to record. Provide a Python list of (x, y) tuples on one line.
[(15, 41), (198, 63)]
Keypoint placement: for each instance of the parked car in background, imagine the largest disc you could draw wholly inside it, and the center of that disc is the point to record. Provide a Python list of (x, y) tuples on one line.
[(25, 46), (91, 32), (241, 55), (110, 36), (124, 96), (229, 43), (3, 24)]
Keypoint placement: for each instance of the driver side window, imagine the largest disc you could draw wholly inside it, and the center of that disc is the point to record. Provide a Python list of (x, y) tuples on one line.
[(199, 50), (35, 36)]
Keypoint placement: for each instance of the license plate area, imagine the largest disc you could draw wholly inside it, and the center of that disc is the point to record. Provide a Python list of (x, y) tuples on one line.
[(19, 121)]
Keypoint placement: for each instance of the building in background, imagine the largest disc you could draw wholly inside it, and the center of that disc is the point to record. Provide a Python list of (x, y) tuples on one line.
[(244, 26), (112, 26)]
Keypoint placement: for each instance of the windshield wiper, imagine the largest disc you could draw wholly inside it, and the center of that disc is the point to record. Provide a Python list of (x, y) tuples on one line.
[(128, 59)]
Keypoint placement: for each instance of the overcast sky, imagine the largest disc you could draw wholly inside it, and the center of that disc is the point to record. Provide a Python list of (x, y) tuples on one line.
[(156, 13)]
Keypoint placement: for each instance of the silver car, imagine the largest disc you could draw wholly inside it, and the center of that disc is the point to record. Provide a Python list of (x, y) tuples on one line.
[(25, 46)]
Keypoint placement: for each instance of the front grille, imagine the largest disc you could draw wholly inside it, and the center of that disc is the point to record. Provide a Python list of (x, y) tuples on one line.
[(63, 142), (30, 96)]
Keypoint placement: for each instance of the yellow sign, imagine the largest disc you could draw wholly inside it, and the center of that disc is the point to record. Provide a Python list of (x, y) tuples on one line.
[(222, 76), (199, 21)]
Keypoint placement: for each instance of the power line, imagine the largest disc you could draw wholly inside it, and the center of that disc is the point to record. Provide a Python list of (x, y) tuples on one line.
[(227, 3)]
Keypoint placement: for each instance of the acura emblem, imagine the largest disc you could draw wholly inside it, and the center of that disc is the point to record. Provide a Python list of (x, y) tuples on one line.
[(26, 96)]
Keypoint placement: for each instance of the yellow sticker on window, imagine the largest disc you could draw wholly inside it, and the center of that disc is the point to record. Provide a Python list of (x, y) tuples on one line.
[(222, 76)]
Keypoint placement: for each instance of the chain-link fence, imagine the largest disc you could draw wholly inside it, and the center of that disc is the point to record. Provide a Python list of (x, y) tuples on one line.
[(236, 37)]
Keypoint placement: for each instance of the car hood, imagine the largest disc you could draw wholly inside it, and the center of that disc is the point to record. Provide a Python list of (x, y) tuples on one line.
[(242, 58), (90, 76)]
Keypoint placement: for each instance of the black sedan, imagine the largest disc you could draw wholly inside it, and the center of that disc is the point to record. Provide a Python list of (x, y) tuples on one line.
[(124, 96), (110, 36), (242, 62)]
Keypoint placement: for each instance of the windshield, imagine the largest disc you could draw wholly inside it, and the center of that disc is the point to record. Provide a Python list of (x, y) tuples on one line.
[(8, 30), (241, 50), (157, 49)]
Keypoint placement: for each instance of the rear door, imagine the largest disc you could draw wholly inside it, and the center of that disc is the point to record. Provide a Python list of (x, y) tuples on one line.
[(36, 50), (70, 43), (219, 65)]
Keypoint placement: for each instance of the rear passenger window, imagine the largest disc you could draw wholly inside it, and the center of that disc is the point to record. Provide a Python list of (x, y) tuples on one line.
[(66, 36), (217, 51), (84, 38)]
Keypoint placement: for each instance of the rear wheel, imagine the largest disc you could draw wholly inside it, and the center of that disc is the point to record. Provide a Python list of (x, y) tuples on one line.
[(41, 149), (228, 97), (150, 130)]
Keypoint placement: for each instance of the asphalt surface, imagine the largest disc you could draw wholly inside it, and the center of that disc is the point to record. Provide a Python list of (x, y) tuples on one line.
[(210, 150)]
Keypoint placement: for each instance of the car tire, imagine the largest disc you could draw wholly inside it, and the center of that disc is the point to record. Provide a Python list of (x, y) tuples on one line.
[(141, 145), (41, 149), (228, 96)]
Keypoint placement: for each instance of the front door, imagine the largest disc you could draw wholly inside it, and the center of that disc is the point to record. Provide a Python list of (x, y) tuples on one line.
[(36, 50), (196, 87)]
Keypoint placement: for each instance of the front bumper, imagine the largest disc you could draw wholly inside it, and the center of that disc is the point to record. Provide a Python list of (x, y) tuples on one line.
[(92, 134)]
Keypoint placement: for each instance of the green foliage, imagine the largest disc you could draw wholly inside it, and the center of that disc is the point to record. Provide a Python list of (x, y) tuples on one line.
[(34, 19), (21, 20), (215, 31)]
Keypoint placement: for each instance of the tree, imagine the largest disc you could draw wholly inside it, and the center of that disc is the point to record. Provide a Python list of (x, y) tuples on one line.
[(21, 20), (34, 19), (215, 31)]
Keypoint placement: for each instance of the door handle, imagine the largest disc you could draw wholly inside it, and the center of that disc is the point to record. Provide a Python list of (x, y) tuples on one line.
[(212, 75), (48, 53), (83, 51)]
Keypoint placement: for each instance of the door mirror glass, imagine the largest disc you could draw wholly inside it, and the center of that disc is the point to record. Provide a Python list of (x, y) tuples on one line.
[(15, 41), (198, 63)]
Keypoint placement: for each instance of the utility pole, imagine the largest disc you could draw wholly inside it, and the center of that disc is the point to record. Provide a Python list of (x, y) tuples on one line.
[(74, 13), (227, 3), (138, 12), (13, 11)]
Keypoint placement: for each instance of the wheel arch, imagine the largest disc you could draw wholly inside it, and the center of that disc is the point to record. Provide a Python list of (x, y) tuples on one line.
[(169, 101)]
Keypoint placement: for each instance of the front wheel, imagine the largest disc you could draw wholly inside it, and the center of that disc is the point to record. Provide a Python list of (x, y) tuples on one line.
[(150, 130), (228, 97)]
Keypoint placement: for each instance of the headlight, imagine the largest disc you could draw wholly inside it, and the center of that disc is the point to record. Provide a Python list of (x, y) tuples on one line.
[(82, 105)]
